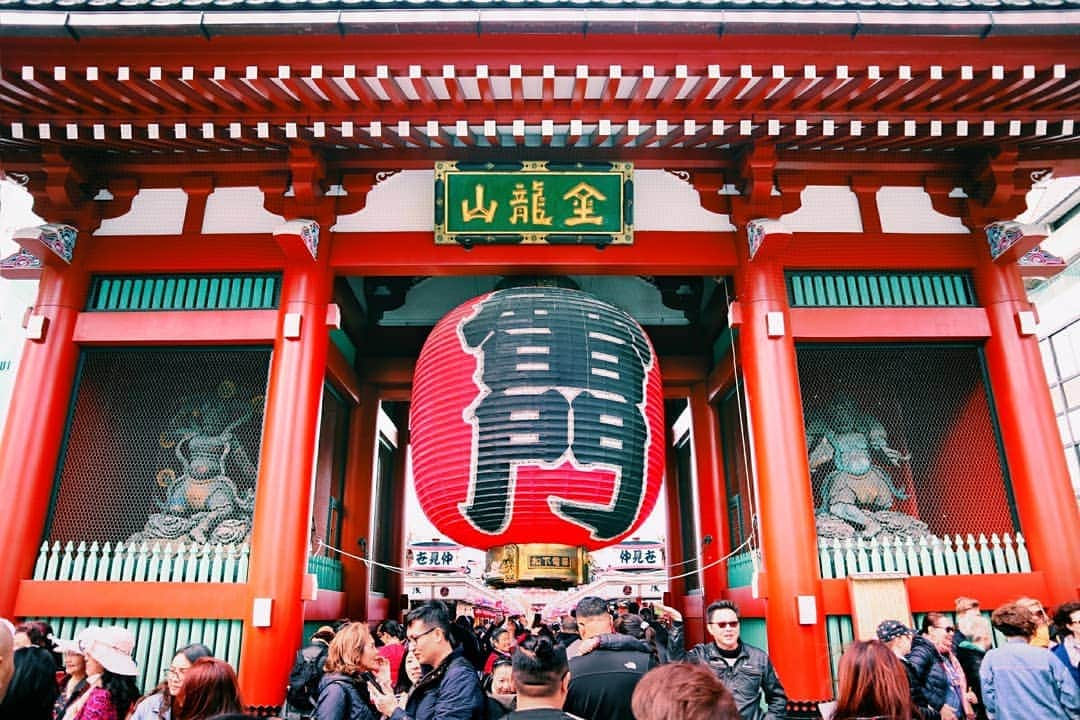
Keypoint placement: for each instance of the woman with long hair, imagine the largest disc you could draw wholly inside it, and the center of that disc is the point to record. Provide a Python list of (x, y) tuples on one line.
[(351, 663), (74, 683), (209, 688), (110, 672), (873, 685), (157, 705)]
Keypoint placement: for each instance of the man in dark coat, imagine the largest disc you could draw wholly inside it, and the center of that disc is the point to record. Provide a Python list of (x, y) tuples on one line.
[(603, 679), (930, 685), (33, 688), (541, 675), (744, 669), (450, 689)]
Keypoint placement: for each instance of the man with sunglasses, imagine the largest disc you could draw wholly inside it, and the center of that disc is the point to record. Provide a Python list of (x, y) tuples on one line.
[(449, 688), (937, 681), (744, 669)]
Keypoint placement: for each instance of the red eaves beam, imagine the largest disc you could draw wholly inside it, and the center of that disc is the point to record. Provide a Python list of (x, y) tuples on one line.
[(653, 253), (415, 253), (38, 598), (177, 327), (885, 324)]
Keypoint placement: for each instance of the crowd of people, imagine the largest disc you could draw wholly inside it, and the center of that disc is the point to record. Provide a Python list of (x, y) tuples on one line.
[(93, 677), (601, 662)]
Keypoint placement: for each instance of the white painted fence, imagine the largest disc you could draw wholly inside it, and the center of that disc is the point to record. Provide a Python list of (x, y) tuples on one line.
[(948, 555), (143, 562)]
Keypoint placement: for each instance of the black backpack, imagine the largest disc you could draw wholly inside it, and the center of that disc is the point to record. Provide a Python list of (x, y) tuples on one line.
[(304, 677)]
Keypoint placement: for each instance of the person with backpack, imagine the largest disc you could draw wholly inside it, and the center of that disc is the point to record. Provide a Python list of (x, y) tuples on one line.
[(307, 671), (352, 661)]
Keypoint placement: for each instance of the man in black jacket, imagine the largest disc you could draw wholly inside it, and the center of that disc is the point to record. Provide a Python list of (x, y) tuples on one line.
[(450, 688), (744, 669), (937, 696), (603, 679)]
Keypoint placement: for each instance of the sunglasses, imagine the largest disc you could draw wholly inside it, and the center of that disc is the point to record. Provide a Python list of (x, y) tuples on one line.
[(726, 624)]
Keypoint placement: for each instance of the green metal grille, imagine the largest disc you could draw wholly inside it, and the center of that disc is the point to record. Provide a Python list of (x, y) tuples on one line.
[(872, 289), (740, 570), (240, 291), (327, 570), (158, 639)]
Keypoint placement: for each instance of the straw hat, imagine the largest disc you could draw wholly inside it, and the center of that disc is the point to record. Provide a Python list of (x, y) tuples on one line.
[(112, 647)]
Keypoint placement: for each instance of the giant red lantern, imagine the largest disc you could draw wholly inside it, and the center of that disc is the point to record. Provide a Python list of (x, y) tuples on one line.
[(537, 429)]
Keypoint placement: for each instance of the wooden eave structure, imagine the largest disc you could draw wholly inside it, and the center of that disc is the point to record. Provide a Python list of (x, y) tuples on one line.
[(971, 106)]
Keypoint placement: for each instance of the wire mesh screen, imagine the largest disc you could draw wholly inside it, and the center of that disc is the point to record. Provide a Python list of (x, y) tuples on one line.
[(163, 444), (901, 442)]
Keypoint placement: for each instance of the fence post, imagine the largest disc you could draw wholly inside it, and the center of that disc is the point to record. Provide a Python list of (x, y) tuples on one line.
[(142, 562), (984, 555), (950, 556), (1022, 553), (105, 562), (999, 555), (1010, 554), (961, 556), (974, 555), (937, 555), (823, 559), (838, 559), (42, 563)]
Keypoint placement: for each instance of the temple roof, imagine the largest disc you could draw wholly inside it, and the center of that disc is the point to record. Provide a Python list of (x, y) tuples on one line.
[(158, 6)]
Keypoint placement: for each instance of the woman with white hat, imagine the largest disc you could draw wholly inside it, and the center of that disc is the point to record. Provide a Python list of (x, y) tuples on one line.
[(111, 673), (74, 683)]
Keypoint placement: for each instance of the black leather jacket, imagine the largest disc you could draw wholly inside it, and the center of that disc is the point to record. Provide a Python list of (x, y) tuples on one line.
[(750, 676)]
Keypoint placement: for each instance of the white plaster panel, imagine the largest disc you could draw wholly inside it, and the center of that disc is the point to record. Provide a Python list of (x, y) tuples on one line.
[(403, 202), (153, 212), (406, 201), (662, 201), (231, 210), (909, 210), (826, 208)]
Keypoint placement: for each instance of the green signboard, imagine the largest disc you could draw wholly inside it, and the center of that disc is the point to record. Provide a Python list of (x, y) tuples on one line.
[(533, 202)]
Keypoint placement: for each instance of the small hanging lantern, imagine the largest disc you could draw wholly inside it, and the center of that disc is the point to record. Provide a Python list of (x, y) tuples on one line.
[(537, 430)]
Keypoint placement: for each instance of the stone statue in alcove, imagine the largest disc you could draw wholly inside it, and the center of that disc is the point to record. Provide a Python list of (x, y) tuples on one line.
[(203, 504), (849, 455)]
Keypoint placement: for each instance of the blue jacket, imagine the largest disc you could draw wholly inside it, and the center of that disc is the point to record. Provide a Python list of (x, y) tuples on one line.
[(343, 698), (1063, 655), (1022, 682), (449, 692)]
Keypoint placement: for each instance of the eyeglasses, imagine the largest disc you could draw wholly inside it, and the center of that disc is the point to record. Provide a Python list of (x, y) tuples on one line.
[(726, 624), (413, 638), (947, 629), (176, 673)]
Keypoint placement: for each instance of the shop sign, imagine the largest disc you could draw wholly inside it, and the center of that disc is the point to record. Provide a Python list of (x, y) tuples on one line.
[(535, 202)]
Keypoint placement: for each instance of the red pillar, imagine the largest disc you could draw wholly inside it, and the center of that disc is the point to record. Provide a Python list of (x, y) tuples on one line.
[(395, 580), (711, 495), (280, 536), (785, 502), (675, 553), (356, 504), (1040, 479), (34, 431)]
